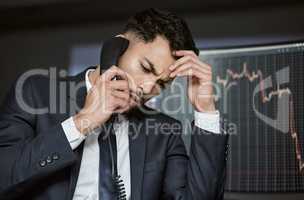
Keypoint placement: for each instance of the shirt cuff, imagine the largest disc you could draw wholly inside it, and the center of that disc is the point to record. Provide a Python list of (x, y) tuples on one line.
[(209, 121), (71, 132)]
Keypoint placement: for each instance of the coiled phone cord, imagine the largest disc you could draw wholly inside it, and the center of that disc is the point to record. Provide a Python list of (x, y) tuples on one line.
[(118, 182)]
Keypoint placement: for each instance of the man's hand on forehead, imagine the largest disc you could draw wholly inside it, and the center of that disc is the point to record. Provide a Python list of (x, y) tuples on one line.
[(199, 76)]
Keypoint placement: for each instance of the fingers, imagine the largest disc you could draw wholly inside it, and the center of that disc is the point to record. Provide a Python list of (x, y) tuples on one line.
[(195, 73), (124, 95), (190, 65), (114, 71), (124, 102), (186, 59), (122, 85), (106, 79), (184, 53)]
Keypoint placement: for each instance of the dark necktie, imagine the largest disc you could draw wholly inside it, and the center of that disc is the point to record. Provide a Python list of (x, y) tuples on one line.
[(107, 143)]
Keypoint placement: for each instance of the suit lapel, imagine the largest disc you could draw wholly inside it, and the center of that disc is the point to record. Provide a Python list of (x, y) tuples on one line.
[(137, 150), (76, 98)]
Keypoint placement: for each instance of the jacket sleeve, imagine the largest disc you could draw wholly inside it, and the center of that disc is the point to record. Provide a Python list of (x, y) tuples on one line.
[(27, 156), (206, 170), (201, 175)]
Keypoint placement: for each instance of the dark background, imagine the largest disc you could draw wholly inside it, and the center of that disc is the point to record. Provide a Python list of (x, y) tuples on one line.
[(40, 34)]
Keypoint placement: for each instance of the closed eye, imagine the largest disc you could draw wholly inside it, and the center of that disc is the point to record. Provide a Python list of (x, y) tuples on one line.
[(146, 70)]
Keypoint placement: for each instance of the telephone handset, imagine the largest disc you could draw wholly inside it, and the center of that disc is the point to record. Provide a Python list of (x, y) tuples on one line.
[(112, 50)]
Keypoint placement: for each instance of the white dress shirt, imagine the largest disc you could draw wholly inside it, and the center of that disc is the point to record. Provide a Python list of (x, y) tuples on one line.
[(88, 179)]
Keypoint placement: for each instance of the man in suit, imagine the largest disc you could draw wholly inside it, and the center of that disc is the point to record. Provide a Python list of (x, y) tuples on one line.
[(65, 155)]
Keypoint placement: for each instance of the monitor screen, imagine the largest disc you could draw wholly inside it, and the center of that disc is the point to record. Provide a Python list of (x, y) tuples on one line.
[(260, 94)]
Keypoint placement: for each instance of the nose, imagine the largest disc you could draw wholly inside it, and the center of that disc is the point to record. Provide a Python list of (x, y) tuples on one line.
[(149, 86)]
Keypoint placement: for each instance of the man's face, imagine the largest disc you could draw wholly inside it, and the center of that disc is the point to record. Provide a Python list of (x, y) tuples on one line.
[(147, 65)]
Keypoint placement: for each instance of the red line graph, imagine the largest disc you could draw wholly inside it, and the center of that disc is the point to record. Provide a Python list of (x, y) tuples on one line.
[(230, 79)]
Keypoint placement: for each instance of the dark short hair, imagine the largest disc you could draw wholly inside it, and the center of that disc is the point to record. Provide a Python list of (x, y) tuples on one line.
[(150, 23)]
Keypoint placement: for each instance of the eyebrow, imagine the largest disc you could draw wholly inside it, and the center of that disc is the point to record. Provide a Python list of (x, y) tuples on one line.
[(151, 65)]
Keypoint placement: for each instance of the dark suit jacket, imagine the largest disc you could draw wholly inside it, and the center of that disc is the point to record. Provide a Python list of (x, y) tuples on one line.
[(37, 162)]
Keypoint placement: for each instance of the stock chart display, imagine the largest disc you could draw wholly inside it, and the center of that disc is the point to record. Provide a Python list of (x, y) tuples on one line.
[(260, 93)]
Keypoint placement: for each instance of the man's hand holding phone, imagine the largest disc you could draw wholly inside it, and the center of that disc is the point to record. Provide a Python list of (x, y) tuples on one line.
[(108, 95)]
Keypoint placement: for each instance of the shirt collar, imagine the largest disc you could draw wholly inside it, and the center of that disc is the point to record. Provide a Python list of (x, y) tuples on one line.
[(87, 80)]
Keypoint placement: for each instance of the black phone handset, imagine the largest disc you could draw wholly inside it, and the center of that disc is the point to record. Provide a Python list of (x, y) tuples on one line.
[(112, 50)]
